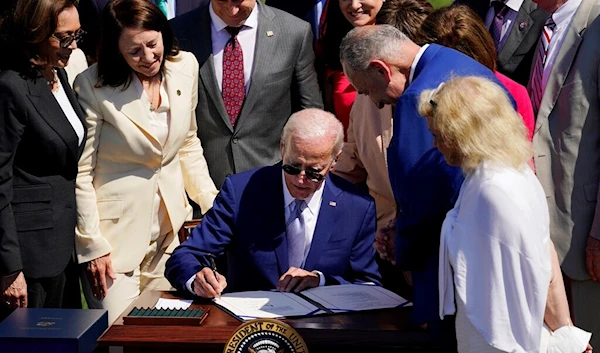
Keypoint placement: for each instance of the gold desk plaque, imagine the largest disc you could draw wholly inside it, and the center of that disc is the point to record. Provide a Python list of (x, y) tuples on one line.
[(265, 336)]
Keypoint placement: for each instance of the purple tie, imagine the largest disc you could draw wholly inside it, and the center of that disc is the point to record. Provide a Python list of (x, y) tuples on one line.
[(500, 10)]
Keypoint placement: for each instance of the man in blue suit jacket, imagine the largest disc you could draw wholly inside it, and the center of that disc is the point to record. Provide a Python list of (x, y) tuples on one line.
[(382, 62), (248, 222)]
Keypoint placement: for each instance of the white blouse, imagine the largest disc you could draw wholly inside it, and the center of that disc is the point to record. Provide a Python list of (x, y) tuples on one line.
[(61, 97), (159, 123), (494, 257)]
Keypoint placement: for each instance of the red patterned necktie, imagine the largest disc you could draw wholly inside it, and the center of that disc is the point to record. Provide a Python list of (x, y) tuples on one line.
[(536, 88), (233, 90)]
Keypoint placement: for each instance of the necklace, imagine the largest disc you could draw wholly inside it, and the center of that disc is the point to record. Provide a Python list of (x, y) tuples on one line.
[(53, 80), (153, 89)]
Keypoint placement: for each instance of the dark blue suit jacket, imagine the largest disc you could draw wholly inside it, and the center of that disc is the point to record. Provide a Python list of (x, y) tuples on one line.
[(424, 186), (247, 223)]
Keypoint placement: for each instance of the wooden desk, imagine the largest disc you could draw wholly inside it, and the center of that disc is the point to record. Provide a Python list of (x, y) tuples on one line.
[(380, 331)]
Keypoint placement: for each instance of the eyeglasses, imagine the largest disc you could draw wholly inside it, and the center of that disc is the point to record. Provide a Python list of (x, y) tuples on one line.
[(67, 39), (312, 175)]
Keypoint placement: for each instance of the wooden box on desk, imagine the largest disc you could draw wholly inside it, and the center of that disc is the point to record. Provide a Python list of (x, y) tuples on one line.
[(52, 330)]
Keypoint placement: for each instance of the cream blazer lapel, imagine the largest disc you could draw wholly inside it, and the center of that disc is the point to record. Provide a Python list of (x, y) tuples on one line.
[(182, 89), (563, 62), (129, 104)]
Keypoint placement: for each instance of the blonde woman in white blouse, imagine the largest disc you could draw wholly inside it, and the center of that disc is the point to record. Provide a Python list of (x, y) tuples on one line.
[(498, 271), (141, 156)]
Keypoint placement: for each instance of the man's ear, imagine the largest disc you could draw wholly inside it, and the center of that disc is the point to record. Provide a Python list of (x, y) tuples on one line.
[(380, 67), (335, 160)]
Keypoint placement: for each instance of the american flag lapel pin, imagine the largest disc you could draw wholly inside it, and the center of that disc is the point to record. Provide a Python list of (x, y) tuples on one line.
[(270, 33), (332, 203)]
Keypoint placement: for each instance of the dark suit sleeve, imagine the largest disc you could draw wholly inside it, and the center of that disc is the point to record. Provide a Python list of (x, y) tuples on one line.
[(210, 238), (306, 87), (363, 267), (11, 129)]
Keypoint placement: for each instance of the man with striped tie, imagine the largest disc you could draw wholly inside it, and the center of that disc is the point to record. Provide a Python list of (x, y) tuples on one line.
[(289, 226), (564, 88)]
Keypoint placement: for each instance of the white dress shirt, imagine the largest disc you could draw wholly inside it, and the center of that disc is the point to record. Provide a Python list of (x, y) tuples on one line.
[(509, 19), (247, 38), (562, 17), (61, 97), (415, 62)]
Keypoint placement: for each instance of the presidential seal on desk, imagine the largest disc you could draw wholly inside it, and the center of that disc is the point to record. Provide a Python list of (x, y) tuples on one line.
[(265, 336)]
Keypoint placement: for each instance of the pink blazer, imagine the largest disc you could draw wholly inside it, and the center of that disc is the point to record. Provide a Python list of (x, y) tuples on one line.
[(521, 96)]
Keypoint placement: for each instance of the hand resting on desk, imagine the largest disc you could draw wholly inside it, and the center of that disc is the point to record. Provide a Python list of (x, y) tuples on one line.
[(209, 284), (297, 279)]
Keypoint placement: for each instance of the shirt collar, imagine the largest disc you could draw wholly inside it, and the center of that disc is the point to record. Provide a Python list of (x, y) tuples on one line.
[(219, 24), (313, 202), (565, 13), (514, 5), (415, 62)]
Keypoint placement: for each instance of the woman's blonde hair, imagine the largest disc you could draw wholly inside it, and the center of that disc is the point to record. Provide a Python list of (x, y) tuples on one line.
[(475, 119)]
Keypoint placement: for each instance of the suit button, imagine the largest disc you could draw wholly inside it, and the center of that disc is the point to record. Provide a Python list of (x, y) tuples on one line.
[(235, 140)]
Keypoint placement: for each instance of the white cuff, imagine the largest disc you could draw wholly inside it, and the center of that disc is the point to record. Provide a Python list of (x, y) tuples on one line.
[(188, 284), (321, 278), (567, 339)]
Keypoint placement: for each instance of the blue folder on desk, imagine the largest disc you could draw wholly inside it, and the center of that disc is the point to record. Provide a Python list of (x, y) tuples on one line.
[(52, 330)]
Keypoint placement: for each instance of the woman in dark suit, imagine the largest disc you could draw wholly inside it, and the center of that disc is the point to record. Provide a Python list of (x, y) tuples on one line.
[(41, 135)]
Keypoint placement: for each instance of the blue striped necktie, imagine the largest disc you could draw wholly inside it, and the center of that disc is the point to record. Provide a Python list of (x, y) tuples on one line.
[(296, 233)]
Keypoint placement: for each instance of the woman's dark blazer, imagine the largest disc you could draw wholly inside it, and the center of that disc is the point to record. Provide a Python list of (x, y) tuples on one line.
[(39, 151)]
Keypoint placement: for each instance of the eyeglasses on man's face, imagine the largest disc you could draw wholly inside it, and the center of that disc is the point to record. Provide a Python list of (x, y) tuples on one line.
[(65, 40), (311, 174)]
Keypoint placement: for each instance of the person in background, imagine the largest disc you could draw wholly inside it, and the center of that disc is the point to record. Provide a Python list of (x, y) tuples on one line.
[(564, 91), (91, 14), (385, 64), (501, 219), (458, 27), (364, 156), (141, 156), (515, 26), (41, 139), (247, 92), (311, 229), (338, 91)]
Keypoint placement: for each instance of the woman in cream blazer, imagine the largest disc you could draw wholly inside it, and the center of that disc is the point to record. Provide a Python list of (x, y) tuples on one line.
[(141, 156)]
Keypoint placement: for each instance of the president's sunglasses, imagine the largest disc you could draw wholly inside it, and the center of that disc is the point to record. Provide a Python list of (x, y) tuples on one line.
[(66, 40), (311, 174)]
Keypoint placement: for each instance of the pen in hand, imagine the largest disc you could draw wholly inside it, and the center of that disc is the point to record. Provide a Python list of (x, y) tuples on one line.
[(213, 266)]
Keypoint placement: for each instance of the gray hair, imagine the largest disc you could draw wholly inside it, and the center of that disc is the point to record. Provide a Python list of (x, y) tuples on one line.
[(314, 124), (363, 44)]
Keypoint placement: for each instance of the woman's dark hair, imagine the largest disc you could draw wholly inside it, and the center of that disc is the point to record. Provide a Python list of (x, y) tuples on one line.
[(458, 27), (26, 25), (113, 70), (406, 15)]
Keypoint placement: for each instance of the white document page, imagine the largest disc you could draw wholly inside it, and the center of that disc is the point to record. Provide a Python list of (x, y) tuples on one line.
[(355, 297), (163, 303), (265, 304)]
